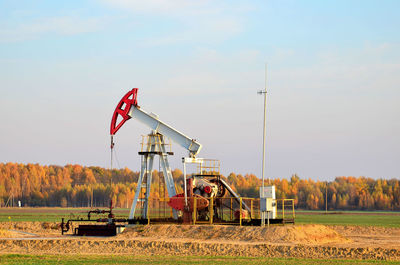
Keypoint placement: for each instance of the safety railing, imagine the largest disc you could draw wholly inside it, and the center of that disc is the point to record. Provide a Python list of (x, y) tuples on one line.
[(147, 140), (227, 210), (158, 209), (209, 167), (285, 208)]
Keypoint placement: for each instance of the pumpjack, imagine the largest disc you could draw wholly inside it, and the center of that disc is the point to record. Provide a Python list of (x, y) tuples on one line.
[(205, 193), (207, 183)]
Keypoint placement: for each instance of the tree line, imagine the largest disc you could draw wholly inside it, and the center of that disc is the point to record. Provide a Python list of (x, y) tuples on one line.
[(79, 186)]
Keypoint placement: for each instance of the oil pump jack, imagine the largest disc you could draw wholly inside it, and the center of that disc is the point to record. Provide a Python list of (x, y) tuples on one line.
[(203, 192), (204, 185)]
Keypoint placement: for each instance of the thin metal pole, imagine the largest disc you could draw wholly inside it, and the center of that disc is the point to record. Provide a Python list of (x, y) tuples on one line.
[(264, 136), (240, 211), (111, 166), (111, 159), (184, 183), (264, 129)]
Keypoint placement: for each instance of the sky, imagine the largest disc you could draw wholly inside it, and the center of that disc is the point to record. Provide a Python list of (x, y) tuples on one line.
[(333, 82)]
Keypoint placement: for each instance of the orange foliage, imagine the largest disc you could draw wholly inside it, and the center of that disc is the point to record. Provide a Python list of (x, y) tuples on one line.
[(77, 186)]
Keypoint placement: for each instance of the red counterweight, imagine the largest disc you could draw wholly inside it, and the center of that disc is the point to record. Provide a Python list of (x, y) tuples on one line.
[(122, 109)]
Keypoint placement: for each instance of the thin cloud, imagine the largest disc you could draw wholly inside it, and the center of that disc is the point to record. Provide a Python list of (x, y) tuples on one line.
[(366, 69), (214, 30), (62, 26), (164, 7), (200, 21)]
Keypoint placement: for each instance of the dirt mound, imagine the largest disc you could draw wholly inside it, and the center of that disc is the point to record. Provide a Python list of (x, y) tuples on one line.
[(5, 233), (300, 241), (366, 230), (313, 234), (365, 236), (43, 228), (178, 247), (318, 234)]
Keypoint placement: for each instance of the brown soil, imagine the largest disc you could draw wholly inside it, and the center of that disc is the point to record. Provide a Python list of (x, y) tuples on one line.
[(36, 228), (371, 236), (301, 241), (305, 234), (5, 233)]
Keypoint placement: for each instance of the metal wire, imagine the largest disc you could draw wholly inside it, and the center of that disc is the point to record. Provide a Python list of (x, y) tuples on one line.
[(116, 158)]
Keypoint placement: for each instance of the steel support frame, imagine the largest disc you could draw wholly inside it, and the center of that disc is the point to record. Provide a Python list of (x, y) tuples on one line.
[(189, 160), (156, 142)]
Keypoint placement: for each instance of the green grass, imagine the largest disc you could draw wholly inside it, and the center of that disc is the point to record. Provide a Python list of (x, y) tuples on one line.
[(129, 259), (362, 218), (49, 214), (370, 219), (347, 211)]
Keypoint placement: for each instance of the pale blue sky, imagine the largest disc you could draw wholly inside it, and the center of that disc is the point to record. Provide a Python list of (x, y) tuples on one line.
[(333, 82)]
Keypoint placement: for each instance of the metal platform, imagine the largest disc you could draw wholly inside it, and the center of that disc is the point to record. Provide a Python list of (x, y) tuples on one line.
[(257, 222), (154, 153), (251, 222)]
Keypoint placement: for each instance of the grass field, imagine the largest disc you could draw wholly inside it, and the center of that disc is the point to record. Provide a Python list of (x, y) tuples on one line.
[(386, 219), (128, 259), (48, 214), (350, 218)]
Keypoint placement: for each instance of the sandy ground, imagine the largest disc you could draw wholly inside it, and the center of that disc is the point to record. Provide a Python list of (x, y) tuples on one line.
[(302, 241)]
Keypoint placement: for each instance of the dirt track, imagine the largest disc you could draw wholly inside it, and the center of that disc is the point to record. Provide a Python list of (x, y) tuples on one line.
[(305, 241)]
